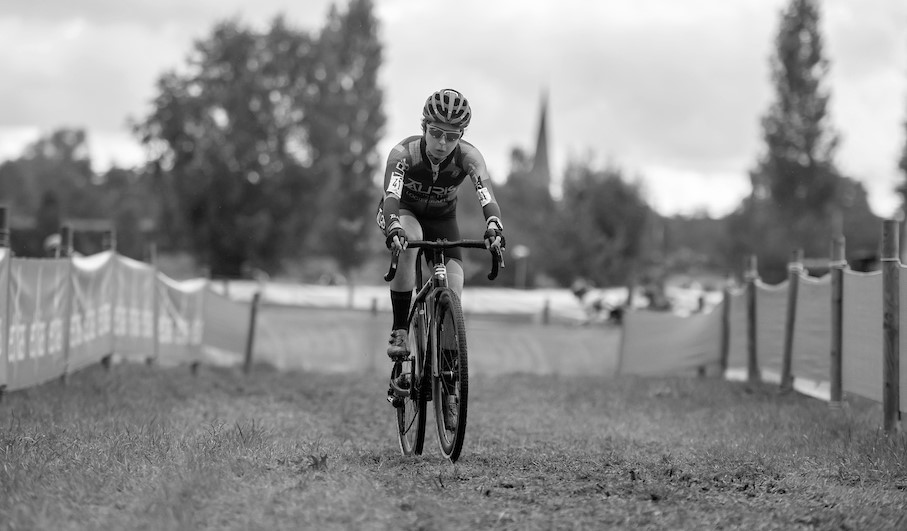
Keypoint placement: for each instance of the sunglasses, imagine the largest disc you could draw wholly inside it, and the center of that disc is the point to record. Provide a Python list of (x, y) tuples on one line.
[(450, 136)]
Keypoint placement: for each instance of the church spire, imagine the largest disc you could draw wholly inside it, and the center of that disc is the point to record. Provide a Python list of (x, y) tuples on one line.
[(541, 171)]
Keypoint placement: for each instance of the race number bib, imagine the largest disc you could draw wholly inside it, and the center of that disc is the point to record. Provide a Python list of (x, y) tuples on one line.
[(484, 196), (396, 185)]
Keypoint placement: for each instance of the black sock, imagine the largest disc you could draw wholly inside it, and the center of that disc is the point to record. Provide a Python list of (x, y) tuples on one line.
[(400, 301)]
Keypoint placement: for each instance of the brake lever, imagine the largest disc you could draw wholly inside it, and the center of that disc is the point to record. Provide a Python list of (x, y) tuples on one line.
[(392, 270)]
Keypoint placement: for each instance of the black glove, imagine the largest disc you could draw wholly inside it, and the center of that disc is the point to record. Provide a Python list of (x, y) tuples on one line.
[(494, 235), (396, 238)]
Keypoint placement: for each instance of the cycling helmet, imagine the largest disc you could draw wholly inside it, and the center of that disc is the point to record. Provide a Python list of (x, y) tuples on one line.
[(447, 106)]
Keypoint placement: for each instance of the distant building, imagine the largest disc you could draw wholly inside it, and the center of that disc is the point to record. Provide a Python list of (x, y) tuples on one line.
[(540, 174)]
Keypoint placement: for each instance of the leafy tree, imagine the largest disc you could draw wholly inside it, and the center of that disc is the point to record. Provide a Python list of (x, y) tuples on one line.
[(128, 198), (696, 245), (59, 162), (262, 136), (797, 171), (527, 210), (48, 219), (344, 130), (230, 148), (601, 227), (51, 181), (902, 165), (797, 191)]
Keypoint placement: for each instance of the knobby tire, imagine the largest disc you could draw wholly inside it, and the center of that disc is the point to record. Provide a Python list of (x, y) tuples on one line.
[(449, 338)]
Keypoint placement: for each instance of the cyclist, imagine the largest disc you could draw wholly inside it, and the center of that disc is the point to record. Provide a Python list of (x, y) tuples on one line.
[(420, 200)]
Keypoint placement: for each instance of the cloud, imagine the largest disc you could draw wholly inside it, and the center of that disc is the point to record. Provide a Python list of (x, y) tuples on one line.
[(157, 14), (670, 90)]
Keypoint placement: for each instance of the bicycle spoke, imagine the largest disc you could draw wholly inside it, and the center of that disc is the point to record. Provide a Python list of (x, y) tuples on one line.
[(411, 414)]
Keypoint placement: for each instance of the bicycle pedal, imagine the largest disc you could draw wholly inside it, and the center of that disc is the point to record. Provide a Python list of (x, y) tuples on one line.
[(399, 386), (395, 401)]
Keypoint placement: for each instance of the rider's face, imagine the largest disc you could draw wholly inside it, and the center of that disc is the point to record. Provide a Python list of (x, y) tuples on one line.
[(447, 139)]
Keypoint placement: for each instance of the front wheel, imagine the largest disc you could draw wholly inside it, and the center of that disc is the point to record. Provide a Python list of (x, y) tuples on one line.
[(412, 412), (451, 387)]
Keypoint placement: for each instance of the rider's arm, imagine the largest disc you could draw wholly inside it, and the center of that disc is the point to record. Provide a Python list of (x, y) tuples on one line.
[(478, 173), (394, 173)]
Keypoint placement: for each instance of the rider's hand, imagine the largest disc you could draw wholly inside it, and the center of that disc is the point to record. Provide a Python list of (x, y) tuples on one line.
[(494, 235), (396, 238)]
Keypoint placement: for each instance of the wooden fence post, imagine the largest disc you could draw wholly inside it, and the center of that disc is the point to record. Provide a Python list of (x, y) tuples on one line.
[(250, 338), (890, 325), (109, 240), (794, 269), (65, 250), (836, 268), (752, 365), (725, 327), (155, 307), (109, 243), (5, 243), (67, 237), (4, 228)]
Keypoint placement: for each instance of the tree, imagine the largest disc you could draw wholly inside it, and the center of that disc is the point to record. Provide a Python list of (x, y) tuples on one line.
[(59, 162), (345, 128), (902, 165), (130, 201), (51, 182), (47, 219), (262, 138), (797, 170), (601, 227), (526, 209), (230, 149), (797, 191)]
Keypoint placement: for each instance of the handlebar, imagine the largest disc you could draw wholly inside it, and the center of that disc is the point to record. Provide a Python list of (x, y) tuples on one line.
[(497, 259)]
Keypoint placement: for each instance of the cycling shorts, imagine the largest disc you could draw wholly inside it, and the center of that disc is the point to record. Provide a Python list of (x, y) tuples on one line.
[(444, 227)]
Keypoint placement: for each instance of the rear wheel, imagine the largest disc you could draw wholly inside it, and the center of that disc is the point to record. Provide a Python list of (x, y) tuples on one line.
[(411, 414), (451, 387)]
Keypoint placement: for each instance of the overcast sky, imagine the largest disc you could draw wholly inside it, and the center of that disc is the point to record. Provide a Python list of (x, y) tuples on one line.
[(671, 91)]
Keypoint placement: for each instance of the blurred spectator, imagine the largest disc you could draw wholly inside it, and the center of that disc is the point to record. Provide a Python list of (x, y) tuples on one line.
[(597, 308)]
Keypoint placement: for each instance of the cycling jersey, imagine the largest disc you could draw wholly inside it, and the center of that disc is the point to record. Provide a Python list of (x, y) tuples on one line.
[(413, 183)]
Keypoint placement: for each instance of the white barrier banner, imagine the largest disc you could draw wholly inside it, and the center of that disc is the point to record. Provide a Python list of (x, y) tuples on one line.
[(4, 284), (226, 329), (180, 325), (133, 309), (38, 290), (659, 343), (737, 334), (811, 356), (91, 321), (861, 331), (771, 311)]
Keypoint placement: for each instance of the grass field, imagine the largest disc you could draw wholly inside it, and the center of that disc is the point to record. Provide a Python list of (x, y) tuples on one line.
[(143, 447)]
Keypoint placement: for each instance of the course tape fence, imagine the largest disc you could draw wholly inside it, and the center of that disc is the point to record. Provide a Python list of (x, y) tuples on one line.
[(786, 334), (61, 315)]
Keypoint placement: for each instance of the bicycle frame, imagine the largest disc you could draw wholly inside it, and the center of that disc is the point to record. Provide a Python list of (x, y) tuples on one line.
[(424, 298), (433, 375), (438, 280)]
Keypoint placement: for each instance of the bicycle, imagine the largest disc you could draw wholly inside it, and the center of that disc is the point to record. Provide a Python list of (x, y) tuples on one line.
[(437, 366)]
